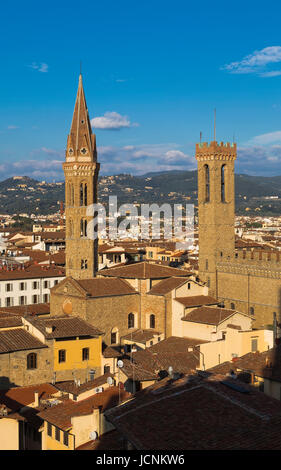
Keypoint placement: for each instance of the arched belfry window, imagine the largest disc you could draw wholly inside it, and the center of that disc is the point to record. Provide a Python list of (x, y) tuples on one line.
[(83, 194), (223, 183), (83, 228), (71, 194), (70, 228), (207, 183)]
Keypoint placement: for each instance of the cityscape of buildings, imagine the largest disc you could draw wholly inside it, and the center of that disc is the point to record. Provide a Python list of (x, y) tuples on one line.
[(140, 344)]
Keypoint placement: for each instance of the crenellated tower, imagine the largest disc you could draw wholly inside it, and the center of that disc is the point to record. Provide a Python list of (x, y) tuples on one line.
[(216, 208), (81, 181)]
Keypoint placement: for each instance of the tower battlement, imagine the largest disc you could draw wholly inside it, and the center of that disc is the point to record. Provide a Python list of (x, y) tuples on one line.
[(270, 258), (215, 151)]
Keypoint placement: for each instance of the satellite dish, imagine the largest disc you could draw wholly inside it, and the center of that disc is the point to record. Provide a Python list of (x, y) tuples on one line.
[(93, 435), (120, 364), (109, 380)]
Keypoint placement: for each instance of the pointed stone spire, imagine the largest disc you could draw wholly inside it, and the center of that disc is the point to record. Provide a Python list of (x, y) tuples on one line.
[(81, 140)]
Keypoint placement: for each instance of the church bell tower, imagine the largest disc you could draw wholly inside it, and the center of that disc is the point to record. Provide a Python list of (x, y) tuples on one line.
[(216, 208), (81, 181)]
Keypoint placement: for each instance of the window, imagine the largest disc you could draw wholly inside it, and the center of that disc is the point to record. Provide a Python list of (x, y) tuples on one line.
[(252, 311), (106, 369), (55, 282), (46, 284), (22, 285), (131, 320), (188, 285), (207, 265), (9, 287), (22, 300), (46, 298), (254, 342), (65, 438), (71, 194), (35, 299), (9, 301), (223, 183), (83, 228), (57, 434), (85, 354), (31, 361), (207, 183), (232, 306), (152, 321), (35, 285), (84, 264), (49, 429), (70, 228), (208, 282), (83, 194), (114, 335), (62, 355)]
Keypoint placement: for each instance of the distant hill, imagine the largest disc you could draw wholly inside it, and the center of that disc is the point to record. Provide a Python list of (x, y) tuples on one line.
[(260, 195)]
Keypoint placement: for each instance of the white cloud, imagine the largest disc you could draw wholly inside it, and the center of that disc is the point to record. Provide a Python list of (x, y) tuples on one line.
[(42, 67), (257, 62), (12, 127), (140, 159), (112, 121), (266, 139)]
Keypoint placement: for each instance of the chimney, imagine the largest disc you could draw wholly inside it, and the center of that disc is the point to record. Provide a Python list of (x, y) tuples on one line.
[(36, 399), (50, 329)]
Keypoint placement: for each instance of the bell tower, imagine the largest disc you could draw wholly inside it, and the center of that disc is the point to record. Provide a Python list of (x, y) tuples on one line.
[(216, 208), (81, 181)]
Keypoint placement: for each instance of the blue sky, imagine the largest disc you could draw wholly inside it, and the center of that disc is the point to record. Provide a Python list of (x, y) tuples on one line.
[(153, 72)]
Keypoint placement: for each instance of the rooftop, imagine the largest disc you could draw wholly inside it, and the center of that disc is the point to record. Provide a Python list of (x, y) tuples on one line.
[(61, 414), (100, 287), (144, 270), (197, 300), (167, 285), (18, 340), (209, 315), (197, 413), (64, 327)]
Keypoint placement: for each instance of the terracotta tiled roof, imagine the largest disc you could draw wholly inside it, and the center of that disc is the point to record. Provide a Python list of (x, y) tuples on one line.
[(146, 364), (64, 326), (18, 340), (61, 414), (22, 310), (98, 287), (71, 387), (265, 364), (167, 285), (31, 272), (10, 321), (199, 414), (197, 300), (208, 315), (110, 351), (17, 397), (141, 336), (111, 440), (59, 235), (144, 270)]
